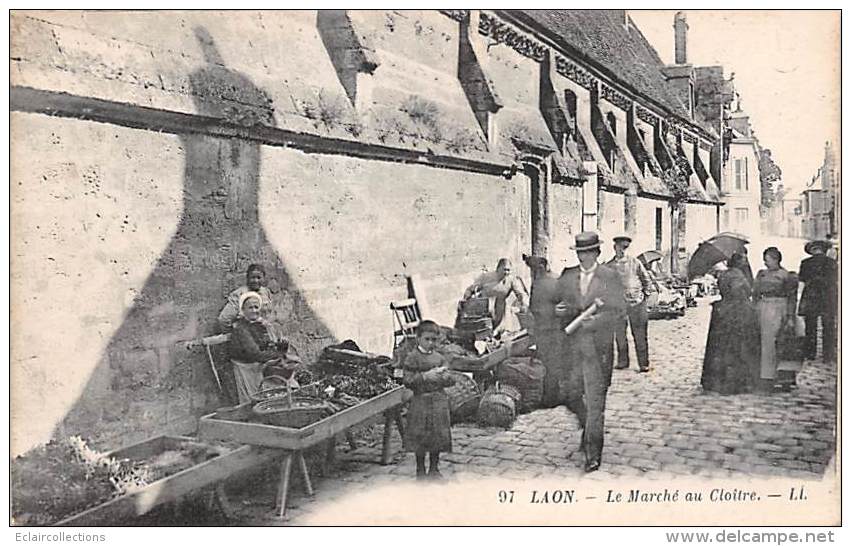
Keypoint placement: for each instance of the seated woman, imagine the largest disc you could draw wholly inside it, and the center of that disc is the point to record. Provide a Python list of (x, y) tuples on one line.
[(255, 280), (731, 360), (254, 348)]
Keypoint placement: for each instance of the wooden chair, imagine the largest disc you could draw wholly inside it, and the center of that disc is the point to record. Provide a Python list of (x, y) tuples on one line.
[(406, 319), (208, 342)]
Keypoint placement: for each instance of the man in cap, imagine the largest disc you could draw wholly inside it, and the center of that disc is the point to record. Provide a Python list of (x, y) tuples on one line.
[(819, 298), (588, 351), (639, 288)]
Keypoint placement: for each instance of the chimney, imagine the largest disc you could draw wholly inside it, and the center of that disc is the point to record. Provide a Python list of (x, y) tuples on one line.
[(680, 38)]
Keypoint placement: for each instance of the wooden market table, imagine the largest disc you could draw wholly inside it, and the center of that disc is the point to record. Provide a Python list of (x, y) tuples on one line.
[(229, 426), (169, 488)]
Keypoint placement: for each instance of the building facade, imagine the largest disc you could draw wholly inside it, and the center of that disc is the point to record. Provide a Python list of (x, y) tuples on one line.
[(741, 185), (156, 155)]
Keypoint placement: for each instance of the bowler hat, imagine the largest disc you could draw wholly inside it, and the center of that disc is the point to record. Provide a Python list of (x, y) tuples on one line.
[(622, 237), (810, 247), (587, 240)]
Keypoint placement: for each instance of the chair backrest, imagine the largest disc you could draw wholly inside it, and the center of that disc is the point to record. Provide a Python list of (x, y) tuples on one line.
[(209, 341), (406, 314)]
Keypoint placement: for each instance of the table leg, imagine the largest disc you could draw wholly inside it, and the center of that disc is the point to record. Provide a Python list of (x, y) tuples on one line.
[(284, 484), (305, 473), (400, 423), (330, 455), (351, 439), (385, 443)]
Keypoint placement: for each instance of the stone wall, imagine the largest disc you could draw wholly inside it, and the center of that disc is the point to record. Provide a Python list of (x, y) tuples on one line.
[(645, 236), (130, 231), (130, 240), (567, 222), (611, 220), (700, 224)]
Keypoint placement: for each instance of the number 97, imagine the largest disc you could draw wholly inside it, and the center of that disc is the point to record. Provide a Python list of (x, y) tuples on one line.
[(506, 496)]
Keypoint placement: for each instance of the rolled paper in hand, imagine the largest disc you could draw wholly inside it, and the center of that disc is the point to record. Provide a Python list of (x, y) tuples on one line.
[(577, 322)]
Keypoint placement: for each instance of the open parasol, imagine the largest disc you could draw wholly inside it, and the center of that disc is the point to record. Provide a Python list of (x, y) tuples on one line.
[(717, 248), (648, 257)]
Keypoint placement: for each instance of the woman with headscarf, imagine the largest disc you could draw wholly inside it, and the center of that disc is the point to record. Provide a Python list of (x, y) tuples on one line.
[(254, 347), (731, 360), (775, 294)]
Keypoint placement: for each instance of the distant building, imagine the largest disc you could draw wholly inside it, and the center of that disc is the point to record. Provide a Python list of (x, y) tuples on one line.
[(816, 214), (790, 219), (820, 203)]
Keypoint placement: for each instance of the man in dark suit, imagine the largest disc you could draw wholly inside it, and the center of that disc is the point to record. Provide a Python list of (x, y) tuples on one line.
[(819, 298), (589, 350)]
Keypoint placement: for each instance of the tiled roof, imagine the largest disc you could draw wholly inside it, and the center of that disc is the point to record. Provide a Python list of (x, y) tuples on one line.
[(601, 37)]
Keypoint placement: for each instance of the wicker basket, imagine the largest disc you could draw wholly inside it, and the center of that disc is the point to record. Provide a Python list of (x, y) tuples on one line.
[(464, 397), (498, 406), (527, 375), (303, 411), (271, 386)]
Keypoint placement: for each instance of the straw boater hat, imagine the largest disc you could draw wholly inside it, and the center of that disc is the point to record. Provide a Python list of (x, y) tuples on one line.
[(587, 240), (812, 245), (622, 237)]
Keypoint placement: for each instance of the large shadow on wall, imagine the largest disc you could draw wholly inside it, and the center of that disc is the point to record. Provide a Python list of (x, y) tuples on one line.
[(147, 382)]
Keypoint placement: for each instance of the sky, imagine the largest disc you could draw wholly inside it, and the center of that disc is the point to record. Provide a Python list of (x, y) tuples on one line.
[(787, 73)]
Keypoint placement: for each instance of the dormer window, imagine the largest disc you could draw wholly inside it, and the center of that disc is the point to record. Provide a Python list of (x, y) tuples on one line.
[(570, 101), (613, 123)]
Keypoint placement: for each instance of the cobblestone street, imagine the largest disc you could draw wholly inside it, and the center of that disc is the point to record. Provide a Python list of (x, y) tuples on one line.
[(658, 425)]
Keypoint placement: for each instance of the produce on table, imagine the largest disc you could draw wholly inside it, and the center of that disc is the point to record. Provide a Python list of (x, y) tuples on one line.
[(65, 477)]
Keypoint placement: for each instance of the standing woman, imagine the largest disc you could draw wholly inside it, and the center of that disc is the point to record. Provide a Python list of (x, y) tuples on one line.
[(731, 360), (255, 281), (775, 292), (498, 285)]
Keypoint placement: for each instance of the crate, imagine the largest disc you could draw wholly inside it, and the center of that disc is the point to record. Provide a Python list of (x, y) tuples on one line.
[(229, 428)]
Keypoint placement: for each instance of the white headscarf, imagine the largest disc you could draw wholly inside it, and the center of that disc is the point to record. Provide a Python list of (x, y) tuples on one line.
[(248, 295)]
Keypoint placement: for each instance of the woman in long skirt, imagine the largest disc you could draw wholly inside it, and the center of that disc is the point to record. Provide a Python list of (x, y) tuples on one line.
[(731, 360), (775, 295)]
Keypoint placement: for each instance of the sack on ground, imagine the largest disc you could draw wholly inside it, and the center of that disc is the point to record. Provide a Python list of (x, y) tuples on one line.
[(527, 375)]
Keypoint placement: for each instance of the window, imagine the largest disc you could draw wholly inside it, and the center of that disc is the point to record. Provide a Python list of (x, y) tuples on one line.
[(613, 123), (659, 228), (740, 174), (741, 217), (570, 102)]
